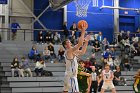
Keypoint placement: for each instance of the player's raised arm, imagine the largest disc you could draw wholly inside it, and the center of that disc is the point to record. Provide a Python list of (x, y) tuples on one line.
[(82, 25)]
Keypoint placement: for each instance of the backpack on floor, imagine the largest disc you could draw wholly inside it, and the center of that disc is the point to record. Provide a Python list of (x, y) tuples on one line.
[(47, 73)]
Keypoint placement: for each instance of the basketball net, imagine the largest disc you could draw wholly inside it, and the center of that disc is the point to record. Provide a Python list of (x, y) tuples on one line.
[(82, 7)]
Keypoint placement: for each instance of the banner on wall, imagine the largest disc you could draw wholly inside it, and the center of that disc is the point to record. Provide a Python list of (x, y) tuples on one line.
[(3, 1)]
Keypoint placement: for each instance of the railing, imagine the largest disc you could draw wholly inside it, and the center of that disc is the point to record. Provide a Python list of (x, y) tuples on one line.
[(28, 34)]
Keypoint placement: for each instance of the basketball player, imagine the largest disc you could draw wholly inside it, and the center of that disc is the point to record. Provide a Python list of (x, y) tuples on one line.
[(71, 53), (107, 76)]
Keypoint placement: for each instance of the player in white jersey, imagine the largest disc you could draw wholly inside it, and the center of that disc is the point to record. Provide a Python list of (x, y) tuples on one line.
[(71, 53), (107, 76)]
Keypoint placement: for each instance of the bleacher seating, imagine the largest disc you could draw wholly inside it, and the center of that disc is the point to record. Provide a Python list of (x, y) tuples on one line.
[(10, 49)]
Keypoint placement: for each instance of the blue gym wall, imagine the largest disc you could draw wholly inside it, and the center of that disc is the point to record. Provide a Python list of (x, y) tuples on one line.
[(130, 21), (98, 20), (50, 19)]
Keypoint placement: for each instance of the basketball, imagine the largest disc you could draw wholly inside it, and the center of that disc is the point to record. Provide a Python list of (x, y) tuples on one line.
[(81, 24)]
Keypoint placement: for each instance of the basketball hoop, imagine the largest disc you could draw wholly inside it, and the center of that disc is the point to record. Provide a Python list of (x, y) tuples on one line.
[(82, 7)]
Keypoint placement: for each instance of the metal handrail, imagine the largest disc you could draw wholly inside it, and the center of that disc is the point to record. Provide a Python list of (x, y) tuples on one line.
[(31, 30)]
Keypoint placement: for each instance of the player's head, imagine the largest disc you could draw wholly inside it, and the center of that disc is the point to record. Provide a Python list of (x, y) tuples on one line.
[(66, 44), (107, 67), (82, 64)]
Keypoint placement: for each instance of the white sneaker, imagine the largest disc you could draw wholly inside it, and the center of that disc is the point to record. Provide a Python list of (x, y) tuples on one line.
[(136, 89)]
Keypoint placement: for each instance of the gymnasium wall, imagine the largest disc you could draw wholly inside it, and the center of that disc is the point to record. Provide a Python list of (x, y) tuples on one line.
[(98, 20), (130, 21)]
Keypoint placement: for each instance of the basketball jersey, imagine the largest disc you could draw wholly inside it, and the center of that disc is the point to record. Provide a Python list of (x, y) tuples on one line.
[(71, 66), (107, 75), (94, 76)]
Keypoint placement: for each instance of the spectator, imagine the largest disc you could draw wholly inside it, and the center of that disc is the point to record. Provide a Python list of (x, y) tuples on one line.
[(96, 46), (100, 37), (104, 63), (74, 30), (113, 52), (15, 66), (56, 38), (118, 79), (88, 64), (120, 37), (14, 26), (48, 37), (52, 52), (95, 79), (66, 32), (61, 54), (46, 54), (92, 39), (117, 61), (110, 62), (137, 82), (105, 44), (39, 67), (92, 59), (33, 53), (41, 37), (127, 65), (25, 66), (106, 53)]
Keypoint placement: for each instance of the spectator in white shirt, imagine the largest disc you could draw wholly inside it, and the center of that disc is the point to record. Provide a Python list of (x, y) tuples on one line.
[(39, 67)]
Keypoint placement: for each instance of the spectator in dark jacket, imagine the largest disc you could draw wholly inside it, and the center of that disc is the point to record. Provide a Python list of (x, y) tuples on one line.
[(15, 66), (66, 32)]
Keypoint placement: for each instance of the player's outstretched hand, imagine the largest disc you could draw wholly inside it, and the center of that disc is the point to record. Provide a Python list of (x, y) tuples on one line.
[(87, 38)]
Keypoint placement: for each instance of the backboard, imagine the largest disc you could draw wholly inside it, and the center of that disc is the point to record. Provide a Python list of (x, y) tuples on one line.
[(57, 4)]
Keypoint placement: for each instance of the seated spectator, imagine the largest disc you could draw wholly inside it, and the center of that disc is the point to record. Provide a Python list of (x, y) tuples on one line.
[(92, 39), (135, 38), (46, 54), (56, 38), (118, 79), (127, 65), (33, 53), (133, 50), (104, 63), (96, 46), (126, 44), (120, 37), (52, 52), (88, 64), (105, 44), (100, 37), (106, 53), (61, 54), (25, 66), (15, 67), (39, 67), (92, 59), (48, 37), (41, 37), (113, 52), (117, 61), (110, 62)]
